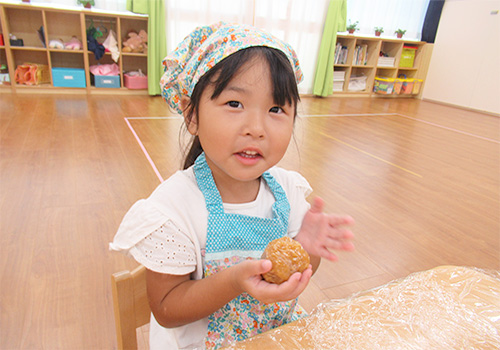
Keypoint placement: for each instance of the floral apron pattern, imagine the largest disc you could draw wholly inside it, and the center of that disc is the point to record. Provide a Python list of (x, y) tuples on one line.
[(232, 238)]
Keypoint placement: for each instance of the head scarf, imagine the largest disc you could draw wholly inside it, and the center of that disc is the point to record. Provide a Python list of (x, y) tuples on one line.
[(204, 48)]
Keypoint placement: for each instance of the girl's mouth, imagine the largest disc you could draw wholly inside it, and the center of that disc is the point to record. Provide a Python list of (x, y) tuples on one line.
[(248, 157), (249, 154)]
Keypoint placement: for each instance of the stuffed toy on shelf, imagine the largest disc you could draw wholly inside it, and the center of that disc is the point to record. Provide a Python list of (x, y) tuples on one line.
[(136, 42)]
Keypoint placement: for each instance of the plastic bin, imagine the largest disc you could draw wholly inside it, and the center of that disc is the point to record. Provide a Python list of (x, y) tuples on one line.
[(68, 77), (417, 85), (387, 86), (408, 56), (407, 85), (135, 82)]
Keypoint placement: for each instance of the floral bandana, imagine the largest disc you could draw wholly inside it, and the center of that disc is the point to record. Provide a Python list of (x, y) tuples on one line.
[(204, 48)]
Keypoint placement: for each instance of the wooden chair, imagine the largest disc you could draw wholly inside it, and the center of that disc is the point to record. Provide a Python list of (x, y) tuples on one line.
[(131, 305)]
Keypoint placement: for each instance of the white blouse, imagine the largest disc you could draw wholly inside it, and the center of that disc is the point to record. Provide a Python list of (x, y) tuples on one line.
[(167, 233)]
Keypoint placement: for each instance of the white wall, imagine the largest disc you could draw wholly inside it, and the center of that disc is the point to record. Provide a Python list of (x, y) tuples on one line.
[(465, 64)]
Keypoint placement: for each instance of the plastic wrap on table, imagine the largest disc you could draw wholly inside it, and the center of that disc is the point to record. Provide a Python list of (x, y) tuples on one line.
[(444, 308)]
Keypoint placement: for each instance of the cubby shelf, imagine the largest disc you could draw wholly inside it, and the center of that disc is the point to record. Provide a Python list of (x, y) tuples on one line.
[(368, 64), (25, 20)]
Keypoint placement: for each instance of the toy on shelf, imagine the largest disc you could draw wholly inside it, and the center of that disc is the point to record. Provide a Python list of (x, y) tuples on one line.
[(136, 42), (73, 44), (56, 44)]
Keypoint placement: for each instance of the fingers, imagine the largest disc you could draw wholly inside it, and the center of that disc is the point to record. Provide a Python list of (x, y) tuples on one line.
[(295, 285), (340, 220), (317, 205), (270, 292), (256, 267), (326, 254)]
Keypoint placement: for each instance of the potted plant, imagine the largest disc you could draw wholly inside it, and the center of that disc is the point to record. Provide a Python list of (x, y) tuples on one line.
[(352, 27), (378, 31), (400, 33), (86, 3)]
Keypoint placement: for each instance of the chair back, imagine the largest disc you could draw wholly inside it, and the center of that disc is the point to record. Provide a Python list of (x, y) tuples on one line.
[(131, 306)]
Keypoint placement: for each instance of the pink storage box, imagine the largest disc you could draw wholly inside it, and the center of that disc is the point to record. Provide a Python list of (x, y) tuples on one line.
[(135, 82)]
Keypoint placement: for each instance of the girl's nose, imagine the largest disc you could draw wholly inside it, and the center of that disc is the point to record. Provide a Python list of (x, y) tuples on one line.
[(254, 125)]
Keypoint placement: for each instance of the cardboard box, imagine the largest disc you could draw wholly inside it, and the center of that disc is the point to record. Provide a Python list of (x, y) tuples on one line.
[(107, 81)]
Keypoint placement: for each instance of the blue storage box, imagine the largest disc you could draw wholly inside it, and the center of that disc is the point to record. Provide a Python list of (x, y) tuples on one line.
[(68, 77), (107, 81)]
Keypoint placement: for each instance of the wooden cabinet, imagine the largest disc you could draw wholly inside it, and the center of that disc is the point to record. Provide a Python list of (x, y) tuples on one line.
[(37, 25), (360, 62)]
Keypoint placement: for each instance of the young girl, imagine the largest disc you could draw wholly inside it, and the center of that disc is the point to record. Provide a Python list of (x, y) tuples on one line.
[(202, 232)]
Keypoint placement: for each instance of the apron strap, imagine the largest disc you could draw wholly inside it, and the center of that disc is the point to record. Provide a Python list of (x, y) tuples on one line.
[(206, 183), (281, 206), (213, 200)]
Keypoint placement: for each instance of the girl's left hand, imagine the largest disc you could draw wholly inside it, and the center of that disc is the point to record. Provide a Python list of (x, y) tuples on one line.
[(320, 233), (247, 277)]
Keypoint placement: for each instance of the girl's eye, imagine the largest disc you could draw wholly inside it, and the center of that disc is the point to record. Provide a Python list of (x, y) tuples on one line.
[(276, 109), (234, 104)]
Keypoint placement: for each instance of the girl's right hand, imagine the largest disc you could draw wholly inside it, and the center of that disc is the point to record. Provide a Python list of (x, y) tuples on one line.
[(247, 277)]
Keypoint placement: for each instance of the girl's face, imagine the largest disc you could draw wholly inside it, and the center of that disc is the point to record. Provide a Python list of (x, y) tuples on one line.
[(242, 131)]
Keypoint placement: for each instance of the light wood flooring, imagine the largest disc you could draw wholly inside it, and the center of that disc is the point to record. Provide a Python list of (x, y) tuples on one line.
[(420, 179)]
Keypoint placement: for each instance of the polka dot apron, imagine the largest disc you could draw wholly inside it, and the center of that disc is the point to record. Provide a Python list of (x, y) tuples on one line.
[(233, 238)]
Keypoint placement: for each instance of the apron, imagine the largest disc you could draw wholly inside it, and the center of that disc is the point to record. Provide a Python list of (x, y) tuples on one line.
[(233, 238)]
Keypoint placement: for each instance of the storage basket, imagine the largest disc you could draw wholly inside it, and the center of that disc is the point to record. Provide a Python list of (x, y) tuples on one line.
[(417, 85), (387, 86), (135, 81), (407, 85), (32, 74)]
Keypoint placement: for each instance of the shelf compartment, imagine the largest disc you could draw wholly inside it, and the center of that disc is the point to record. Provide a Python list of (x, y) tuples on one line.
[(340, 77), (105, 59), (134, 63), (367, 73), (29, 56), (348, 45), (67, 59), (392, 49), (103, 23), (64, 26), (408, 72), (418, 55), (132, 24), (387, 72), (370, 52), (24, 24)]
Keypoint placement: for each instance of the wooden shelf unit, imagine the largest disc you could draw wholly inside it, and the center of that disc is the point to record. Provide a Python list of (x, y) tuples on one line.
[(375, 45), (24, 21)]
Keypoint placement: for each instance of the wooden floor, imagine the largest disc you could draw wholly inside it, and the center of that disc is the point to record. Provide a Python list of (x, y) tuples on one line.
[(420, 179)]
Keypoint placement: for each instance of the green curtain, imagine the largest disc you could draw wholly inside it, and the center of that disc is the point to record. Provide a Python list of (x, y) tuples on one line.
[(157, 39), (335, 22)]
